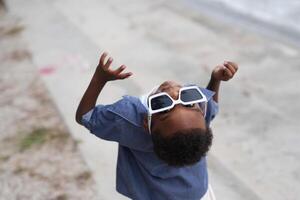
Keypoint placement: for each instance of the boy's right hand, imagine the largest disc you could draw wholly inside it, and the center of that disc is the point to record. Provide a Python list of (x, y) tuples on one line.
[(108, 74)]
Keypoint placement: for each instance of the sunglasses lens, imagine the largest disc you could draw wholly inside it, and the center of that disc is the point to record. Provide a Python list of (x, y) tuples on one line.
[(160, 102), (190, 95)]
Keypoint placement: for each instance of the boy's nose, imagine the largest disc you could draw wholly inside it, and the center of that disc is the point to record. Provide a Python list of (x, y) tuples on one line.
[(174, 94)]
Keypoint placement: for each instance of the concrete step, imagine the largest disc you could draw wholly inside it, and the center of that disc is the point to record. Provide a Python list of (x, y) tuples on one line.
[(160, 40)]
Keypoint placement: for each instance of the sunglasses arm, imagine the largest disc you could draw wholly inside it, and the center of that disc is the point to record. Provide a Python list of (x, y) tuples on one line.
[(149, 122)]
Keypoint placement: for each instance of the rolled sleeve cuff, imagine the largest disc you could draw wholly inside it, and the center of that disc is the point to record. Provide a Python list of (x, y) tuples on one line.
[(216, 107), (85, 119), (212, 110)]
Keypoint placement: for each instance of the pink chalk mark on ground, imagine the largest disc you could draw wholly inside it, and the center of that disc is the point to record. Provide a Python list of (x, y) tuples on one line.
[(73, 61), (47, 70)]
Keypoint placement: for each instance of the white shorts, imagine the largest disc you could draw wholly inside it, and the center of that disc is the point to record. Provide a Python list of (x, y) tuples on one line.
[(209, 195)]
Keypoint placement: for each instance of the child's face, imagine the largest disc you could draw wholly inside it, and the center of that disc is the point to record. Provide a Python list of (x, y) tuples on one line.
[(178, 118)]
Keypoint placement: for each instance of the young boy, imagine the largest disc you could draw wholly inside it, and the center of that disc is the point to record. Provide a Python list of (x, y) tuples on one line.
[(163, 136)]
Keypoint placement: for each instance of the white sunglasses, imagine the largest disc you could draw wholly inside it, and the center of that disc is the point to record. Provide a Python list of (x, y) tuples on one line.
[(163, 101)]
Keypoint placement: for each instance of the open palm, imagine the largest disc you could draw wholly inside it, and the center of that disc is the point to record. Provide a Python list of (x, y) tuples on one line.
[(108, 74)]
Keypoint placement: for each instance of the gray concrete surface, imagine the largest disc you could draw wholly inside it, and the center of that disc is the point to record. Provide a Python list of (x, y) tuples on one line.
[(282, 13), (277, 19), (255, 153)]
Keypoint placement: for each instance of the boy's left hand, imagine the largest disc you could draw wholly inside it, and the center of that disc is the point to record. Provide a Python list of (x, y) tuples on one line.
[(225, 71), (107, 74)]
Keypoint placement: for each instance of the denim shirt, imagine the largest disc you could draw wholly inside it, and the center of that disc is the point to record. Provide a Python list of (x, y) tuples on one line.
[(141, 175)]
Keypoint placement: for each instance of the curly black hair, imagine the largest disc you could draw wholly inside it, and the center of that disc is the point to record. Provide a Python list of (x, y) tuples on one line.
[(184, 147)]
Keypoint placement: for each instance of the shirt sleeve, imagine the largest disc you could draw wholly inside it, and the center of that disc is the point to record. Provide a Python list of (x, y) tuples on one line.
[(103, 123), (117, 122), (212, 110)]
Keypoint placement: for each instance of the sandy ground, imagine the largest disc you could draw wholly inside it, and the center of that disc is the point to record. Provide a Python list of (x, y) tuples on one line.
[(38, 157)]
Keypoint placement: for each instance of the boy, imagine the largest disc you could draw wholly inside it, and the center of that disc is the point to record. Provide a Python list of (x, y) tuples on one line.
[(163, 136)]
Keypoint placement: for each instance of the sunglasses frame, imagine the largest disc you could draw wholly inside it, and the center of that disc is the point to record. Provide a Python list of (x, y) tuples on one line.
[(174, 102)]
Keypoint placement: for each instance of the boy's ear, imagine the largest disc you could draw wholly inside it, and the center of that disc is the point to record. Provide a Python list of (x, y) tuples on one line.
[(145, 123)]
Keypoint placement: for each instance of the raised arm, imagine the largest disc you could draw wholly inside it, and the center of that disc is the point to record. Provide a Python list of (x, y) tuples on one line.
[(220, 73), (101, 76)]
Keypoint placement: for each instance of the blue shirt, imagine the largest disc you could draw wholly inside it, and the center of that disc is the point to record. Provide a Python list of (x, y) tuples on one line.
[(141, 175)]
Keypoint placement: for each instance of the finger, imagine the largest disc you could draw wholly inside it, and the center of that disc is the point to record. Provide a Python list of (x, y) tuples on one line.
[(228, 73), (125, 75), (108, 63), (230, 67), (120, 69), (102, 58), (236, 67)]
